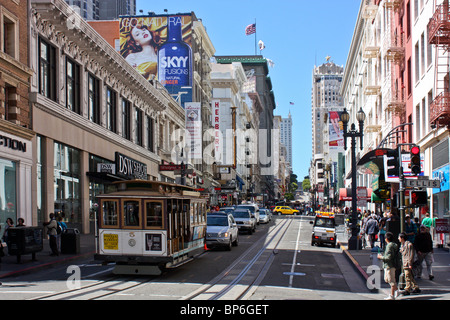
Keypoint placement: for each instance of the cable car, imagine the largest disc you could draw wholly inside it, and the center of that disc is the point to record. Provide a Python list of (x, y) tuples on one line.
[(146, 227)]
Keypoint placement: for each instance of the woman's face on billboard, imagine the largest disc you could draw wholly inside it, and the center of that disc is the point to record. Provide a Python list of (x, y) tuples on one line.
[(142, 37)]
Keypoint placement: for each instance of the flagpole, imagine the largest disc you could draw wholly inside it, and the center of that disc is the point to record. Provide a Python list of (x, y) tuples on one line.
[(255, 39)]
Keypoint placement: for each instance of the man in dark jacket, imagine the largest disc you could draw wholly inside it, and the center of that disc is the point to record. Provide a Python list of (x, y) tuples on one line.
[(424, 248), (372, 229)]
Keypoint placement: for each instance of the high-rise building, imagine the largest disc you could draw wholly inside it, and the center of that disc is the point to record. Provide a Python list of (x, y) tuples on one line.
[(104, 9), (88, 9), (112, 9), (326, 101), (286, 137)]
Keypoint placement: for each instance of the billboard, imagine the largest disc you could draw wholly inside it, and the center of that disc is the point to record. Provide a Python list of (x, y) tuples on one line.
[(194, 130), (336, 133), (159, 47)]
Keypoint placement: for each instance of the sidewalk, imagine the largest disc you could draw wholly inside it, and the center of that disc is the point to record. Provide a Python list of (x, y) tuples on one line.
[(10, 268), (438, 288)]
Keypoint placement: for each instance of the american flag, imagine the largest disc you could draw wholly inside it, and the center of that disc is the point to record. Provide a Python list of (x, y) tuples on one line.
[(250, 29)]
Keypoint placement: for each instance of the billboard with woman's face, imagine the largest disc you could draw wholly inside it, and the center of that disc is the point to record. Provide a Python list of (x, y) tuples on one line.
[(159, 47)]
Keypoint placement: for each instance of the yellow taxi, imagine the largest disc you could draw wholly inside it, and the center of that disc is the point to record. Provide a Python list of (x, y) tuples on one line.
[(284, 210)]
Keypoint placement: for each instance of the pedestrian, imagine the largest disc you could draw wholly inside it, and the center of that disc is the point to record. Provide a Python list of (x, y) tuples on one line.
[(424, 248), (390, 264), (9, 224), (410, 229), (427, 221), (51, 227), (62, 227), (20, 223), (372, 229), (382, 228), (407, 251), (363, 229)]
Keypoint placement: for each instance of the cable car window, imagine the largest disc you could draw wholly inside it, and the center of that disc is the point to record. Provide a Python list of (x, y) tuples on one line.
[(131, 213), (154, 214), (110, 213)]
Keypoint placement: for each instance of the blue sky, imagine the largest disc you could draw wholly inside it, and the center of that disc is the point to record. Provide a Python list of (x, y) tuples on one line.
[(298, 34)]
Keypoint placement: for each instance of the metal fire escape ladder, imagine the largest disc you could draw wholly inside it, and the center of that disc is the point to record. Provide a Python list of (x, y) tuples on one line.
[(439, 35)]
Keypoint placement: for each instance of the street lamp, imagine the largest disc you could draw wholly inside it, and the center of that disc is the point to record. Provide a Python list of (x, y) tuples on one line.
[(353, 134)]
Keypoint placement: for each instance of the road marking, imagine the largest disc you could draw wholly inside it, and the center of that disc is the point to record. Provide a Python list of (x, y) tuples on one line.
[(292, 274), (294, 260)]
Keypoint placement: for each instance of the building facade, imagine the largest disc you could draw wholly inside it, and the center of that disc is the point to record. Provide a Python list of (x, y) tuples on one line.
[(16, 136), (286, 137), (262, 94), (105, 127)]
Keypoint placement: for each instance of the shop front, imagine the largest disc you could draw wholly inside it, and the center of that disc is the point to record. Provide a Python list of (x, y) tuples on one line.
[(16, 162)]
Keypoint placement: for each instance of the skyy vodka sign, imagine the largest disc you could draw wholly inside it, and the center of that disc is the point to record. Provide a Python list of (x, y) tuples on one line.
[(175, 57), (159, 47)]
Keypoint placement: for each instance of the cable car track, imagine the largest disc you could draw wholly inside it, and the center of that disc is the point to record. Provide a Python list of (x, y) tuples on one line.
[(97, 290), (222, 285)]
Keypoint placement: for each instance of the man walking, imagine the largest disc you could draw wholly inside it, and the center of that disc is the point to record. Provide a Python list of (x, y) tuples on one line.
[(424, 247), (372, 229), (407, 251), (52, 233), (390, 261)]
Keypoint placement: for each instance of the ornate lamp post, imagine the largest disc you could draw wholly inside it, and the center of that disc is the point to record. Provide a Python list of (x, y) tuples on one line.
[(353, 134)]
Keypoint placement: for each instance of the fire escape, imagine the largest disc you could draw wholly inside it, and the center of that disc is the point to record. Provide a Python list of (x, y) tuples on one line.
[(394, 46), (439, 35)]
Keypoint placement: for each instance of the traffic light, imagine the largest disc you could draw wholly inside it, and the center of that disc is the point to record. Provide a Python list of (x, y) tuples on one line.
[(391, 165), (415, 161), (419, 198)]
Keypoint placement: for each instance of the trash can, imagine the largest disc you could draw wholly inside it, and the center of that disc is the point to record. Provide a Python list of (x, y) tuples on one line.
[(70, 241)]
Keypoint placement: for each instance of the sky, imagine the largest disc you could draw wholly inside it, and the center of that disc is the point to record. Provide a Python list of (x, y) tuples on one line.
[(298, 34)]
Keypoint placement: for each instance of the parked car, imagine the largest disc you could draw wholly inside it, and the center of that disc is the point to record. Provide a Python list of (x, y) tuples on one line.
[(254, 209), (228, 209), (221, 230), (245, 220), (284, 210), (264, 215)]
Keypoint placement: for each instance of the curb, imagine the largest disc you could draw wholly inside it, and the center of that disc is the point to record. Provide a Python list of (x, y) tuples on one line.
[(45, 265), (356, 265)]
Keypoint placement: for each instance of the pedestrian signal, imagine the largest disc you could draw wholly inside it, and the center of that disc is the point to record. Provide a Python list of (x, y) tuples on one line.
[(391, 164)]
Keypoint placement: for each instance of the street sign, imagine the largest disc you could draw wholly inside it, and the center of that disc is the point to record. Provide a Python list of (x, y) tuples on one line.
[(412, 183)]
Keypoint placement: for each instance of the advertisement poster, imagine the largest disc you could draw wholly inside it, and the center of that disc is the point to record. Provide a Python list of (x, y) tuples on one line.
[(443, 175), (159, 47), (194, 128), (153, 242), (336, 134)]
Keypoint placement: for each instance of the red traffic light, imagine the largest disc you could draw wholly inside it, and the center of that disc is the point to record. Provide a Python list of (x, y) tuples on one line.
[(415, 150)]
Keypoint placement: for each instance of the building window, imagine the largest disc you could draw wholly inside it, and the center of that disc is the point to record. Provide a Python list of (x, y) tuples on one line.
[(150, 134), (73, 86), (9, 36), (94, 99), (47, 70), (139, 123), (67, 180), (111, 107), (126, 118)]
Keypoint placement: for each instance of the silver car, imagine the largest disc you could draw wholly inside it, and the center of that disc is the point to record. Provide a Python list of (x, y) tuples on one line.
[(254, 209), (221, 230)]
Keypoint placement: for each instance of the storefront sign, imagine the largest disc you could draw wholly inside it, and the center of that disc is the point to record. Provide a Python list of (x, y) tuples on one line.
[(442, 174), (106, 168), (442, 226), (129, 168), (7, 142)]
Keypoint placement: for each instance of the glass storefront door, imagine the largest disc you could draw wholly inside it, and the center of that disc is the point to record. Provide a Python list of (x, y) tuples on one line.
[(8, 196)]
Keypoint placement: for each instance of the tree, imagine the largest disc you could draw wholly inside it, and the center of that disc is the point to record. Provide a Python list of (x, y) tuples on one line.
[(306, 184)]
